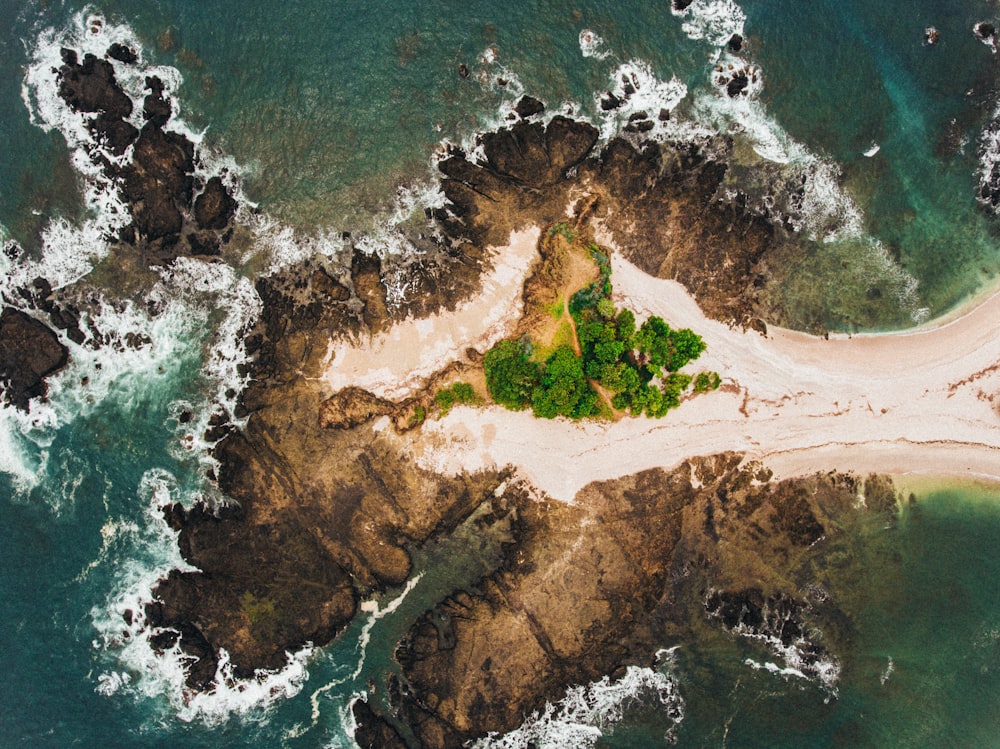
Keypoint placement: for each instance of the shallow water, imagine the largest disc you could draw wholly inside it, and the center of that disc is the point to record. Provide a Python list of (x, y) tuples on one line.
[(326, 114)]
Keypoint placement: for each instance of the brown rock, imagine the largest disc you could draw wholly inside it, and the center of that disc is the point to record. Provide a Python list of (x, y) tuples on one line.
[(351, 407)]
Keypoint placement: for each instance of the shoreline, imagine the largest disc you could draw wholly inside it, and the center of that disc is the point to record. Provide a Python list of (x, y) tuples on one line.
[(923, 401)]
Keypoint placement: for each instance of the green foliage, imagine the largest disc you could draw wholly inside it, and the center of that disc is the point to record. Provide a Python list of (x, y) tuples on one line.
[(563, 390), (459, 393), (262, 614), (418, 416), (638, 366), (706, 381), (562, 228), (664, 348), (511, 376), (589, 297), (606, 308)]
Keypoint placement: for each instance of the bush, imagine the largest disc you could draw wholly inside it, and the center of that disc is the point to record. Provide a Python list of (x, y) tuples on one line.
[(563, 390), (460, 393), (511, 376), (706, 381)]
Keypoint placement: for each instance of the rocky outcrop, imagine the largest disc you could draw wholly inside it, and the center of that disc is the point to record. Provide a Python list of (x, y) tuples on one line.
[(661, 205), (320, 518), (320, 495), (158, 183), (29, 352), (624, 570)]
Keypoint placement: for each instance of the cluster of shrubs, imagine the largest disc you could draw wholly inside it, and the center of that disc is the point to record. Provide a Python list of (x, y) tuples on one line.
[(638, 366), (458, 394)]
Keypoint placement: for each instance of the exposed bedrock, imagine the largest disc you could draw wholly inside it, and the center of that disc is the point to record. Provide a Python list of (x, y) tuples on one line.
[(29, 352), (338, 508), (660, 204), (322, 518), (603, 583)]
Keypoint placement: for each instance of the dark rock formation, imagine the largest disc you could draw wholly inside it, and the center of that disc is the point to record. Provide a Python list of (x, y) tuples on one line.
[(352, 407), (29, 352), (158, 183), (123, 54), (737, 84), (602, 583), (528, 106), (91, 86), (155, 108), (214, 207), (373, 732)]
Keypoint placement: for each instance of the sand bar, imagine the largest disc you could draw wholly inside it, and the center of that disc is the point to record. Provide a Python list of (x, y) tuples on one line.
[(919, 402)]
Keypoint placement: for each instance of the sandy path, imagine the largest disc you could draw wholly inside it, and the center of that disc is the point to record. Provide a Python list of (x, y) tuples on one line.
[(916, 402)]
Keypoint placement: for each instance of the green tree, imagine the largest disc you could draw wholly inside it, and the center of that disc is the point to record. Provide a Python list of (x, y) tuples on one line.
[(511, 376), (563, 390)]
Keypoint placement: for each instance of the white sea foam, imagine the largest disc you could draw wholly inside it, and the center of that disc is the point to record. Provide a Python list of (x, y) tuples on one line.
[(715, 21), (210, 290), (798, 662), (587, 712), (889, 669), (375, 613), (989, 162), (22, 458), (592, 45), (148, 551), (990, 41), (639, 89)]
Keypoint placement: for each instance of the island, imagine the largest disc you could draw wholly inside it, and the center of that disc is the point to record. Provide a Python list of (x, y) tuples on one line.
[(577, 375)]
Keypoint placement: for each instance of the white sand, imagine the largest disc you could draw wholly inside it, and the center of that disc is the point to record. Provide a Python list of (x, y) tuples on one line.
[(396, 362), (914, 403)]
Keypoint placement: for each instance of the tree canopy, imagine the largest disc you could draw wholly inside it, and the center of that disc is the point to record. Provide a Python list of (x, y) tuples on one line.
[(638, 366)]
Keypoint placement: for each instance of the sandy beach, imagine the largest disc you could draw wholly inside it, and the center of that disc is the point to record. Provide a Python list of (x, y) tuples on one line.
[(918, 402)]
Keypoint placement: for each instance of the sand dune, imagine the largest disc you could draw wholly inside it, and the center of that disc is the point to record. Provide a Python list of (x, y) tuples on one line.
[(923, 402)]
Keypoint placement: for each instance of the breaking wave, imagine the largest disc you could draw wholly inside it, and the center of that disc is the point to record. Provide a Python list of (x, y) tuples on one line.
[(590, 711), (146, 552)]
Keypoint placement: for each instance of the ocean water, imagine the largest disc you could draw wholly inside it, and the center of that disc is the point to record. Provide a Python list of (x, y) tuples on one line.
[(330, 113)]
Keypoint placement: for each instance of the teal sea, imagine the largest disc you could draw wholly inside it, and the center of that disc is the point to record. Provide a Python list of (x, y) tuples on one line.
[(330, 112)]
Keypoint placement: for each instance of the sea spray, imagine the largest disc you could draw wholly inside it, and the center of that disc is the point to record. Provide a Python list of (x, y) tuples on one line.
[(589, 711), (714, 21), (142, 553), (592, 45)]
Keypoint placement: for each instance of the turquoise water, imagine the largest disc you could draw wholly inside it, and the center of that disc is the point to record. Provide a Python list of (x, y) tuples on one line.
[(328, 109)]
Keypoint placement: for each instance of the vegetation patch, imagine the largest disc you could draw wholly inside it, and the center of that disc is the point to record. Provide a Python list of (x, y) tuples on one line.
[(457, 394), (620, 365)]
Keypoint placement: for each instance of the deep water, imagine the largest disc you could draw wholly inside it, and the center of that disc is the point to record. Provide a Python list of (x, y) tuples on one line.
[(328, 108)]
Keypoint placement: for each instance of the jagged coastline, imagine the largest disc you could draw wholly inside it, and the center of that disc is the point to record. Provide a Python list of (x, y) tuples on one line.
[(325, 504)]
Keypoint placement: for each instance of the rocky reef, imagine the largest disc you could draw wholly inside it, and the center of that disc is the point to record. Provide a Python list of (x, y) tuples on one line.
[(172, 211), (323, 508), (632, 565)]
